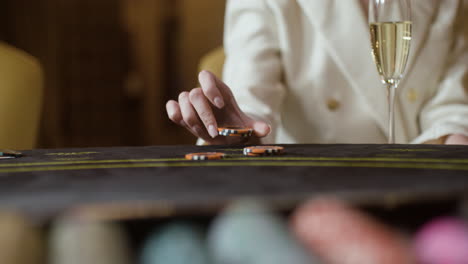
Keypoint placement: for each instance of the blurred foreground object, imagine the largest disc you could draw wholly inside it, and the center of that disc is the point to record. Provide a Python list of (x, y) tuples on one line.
[(20, 242), (176, 243), (342, 235), (442, 241), (249, 233), (21, 87), (79, 242), (463, 208)]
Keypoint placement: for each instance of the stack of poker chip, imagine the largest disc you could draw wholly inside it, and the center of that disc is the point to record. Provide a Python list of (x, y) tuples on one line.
[(76, 241), (250, 232), (235, 131), (263, 150), (442, 240), (337, 233)]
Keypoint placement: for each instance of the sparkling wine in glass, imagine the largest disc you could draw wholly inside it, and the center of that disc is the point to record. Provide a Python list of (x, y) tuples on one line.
[(390, 30)]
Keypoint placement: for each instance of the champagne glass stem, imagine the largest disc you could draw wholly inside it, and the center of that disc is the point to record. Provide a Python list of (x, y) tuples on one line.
[(391, 89)]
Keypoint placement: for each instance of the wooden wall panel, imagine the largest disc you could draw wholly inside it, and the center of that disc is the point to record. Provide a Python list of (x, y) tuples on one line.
[(144, 21), (202, 23), (111, 65), (33, 27), (95, 55)]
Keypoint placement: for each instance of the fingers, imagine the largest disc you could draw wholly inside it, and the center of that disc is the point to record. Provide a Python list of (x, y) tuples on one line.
[(190, 117), (203, 109), (261, 129), (216, 90), (210, 88), (195, 111), (174, 113)]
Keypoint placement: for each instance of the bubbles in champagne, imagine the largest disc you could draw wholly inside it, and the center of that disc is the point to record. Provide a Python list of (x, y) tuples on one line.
[(390, 48)]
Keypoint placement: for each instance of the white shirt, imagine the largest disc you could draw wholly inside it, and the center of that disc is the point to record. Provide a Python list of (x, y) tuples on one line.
[(305, 67)]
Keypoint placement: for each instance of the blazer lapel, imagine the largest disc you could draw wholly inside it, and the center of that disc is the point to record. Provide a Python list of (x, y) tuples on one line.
[(344, 26), (423, 15)]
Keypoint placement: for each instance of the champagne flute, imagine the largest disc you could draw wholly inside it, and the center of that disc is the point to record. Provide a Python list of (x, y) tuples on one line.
[(390, 30)]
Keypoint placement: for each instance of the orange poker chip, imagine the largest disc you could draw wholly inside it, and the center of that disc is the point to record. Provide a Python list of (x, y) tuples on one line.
[(205, 156), (253, 155), (235, 131), (238, 135), (263, 150)]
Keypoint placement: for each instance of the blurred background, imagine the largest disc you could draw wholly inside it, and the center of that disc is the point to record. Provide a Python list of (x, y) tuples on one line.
[(111, 65)]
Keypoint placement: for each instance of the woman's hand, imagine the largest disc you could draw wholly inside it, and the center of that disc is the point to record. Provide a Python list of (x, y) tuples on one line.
[(456, 139), (204, 109)]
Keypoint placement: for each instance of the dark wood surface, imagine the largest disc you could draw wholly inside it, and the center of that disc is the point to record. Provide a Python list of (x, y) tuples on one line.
[(132, 182)]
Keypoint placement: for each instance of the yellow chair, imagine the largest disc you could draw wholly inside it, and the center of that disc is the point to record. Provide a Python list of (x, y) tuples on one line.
[(214, 62), (21, 84)]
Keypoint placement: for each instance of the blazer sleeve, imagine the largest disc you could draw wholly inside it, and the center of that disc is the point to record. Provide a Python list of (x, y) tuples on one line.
[(447, 112), (253, 68)]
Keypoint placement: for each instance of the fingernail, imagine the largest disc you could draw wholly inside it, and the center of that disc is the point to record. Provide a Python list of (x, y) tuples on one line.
[(219, 102), (270, 130), (212, 130)]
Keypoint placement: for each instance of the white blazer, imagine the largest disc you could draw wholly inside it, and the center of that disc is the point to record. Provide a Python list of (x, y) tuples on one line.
[(305, 66)]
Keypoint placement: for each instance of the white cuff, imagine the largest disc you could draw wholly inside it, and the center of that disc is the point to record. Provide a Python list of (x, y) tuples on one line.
[(440, 130)]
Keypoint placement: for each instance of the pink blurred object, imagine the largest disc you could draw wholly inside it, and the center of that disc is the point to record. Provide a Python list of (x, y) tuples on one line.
[(340, 234), (442, 241)]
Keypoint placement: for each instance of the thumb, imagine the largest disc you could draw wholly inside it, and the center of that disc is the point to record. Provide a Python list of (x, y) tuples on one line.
[(261, 129)]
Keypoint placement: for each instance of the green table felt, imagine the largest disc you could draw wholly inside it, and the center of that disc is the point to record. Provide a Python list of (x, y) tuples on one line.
[(158, 178)]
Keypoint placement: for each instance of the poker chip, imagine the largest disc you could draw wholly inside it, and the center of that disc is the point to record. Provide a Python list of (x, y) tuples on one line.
[(442, 240), (250, 232), (235, 131), (205, 156), (263, 150), (253, 154), (10, 153), (338, 233), (176, 243), (22, 241), (72, 241)]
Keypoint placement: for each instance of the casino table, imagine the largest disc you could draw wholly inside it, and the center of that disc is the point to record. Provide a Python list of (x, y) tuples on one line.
[(157, 181)]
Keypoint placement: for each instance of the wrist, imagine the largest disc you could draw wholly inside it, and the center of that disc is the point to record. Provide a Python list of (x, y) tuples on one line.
[(438, 141), (457, 139)]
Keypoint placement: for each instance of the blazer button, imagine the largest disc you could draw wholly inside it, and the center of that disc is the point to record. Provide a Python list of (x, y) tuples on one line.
[(333, 104), (412, 95)]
